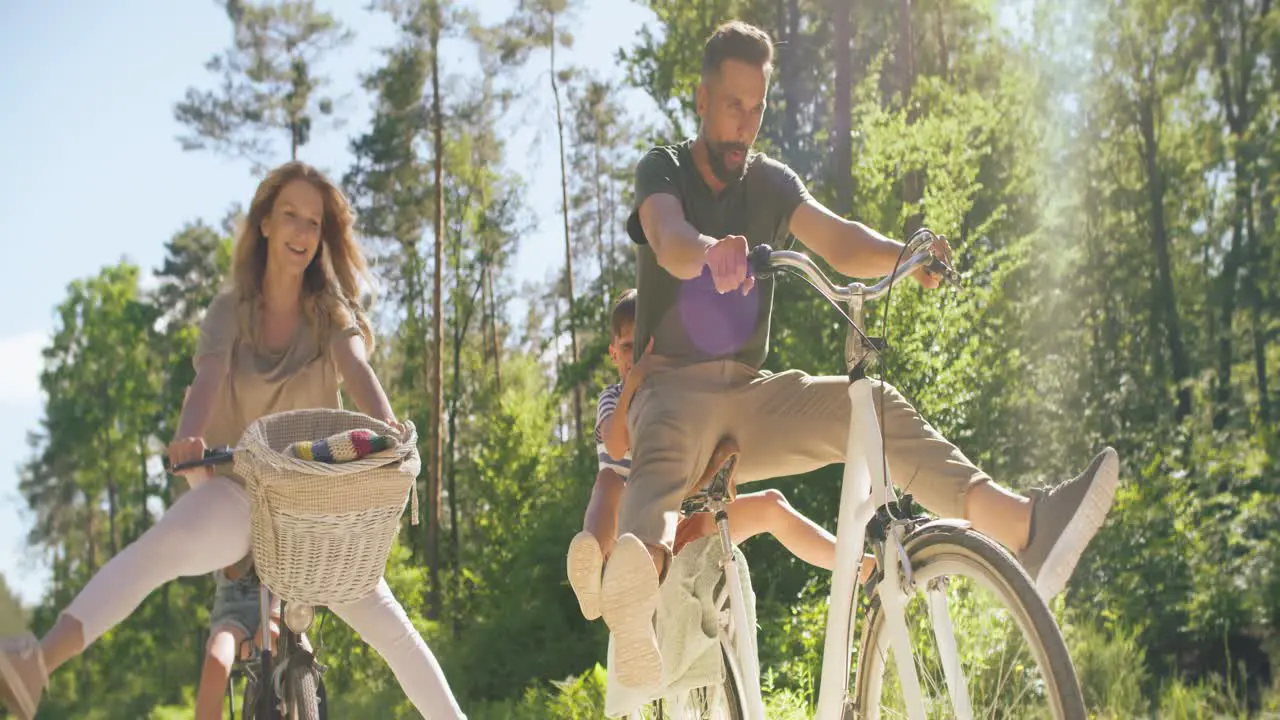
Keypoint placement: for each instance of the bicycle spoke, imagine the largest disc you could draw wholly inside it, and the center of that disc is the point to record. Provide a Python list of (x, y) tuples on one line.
[(998, 654)]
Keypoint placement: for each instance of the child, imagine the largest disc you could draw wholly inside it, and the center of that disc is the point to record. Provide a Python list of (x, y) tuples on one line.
[(749, 515), (233, 620)]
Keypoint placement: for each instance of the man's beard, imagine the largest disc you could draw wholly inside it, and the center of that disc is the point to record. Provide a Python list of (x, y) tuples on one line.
[(716, 152)]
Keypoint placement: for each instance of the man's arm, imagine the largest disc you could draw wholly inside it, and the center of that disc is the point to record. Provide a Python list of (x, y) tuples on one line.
[(851, 248), (681, 250)]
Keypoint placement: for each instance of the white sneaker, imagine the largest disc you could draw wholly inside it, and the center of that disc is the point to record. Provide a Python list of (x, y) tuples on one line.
[(629, 597), (584, 565), (22, 675)]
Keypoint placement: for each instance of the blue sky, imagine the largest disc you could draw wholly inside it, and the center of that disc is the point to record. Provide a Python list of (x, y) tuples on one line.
[(90, 171)]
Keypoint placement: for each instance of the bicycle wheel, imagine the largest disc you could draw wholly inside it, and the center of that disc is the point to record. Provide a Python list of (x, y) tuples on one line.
[(301, 678), (301, 686), (978, 585), (249, 702), (231, 695), (722, 702)]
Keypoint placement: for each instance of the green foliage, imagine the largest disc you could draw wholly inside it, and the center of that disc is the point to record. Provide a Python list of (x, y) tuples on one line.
[(268, 83), (13, 617), (1113, 213)]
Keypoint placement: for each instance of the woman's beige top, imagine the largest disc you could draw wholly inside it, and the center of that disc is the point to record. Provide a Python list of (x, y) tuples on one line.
[(260, 382)]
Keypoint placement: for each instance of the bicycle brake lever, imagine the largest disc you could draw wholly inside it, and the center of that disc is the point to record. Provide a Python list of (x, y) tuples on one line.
[(937, 267)]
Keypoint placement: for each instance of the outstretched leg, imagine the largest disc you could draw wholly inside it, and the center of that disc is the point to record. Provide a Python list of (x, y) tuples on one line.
[(382, 622), (795, 423), (208, 528)]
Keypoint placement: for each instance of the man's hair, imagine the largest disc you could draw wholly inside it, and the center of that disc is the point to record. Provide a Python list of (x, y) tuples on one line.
[(624, 311), (738, 41)]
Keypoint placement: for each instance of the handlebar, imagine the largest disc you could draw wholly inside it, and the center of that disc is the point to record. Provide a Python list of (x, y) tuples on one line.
[(763, 260), (212, 456)]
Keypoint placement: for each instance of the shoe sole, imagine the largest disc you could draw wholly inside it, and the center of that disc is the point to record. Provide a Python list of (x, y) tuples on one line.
[(584, 565), (1061, 560), (14, 687), (629, 597)]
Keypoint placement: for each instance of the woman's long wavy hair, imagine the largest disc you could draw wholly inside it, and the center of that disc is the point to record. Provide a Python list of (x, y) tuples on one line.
[(331, 283)]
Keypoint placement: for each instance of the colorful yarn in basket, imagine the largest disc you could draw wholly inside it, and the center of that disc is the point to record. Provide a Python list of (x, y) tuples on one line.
[(343, 447)]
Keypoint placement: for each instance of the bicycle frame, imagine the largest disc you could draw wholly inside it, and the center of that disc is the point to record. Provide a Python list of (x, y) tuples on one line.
[(268, 667), (858, 502), (268, 682), (741, 630), (738, 639), (863, 490), (861, 493)]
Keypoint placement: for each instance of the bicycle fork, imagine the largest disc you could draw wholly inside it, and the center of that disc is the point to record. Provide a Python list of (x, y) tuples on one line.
[(862, 491), (267, 687)]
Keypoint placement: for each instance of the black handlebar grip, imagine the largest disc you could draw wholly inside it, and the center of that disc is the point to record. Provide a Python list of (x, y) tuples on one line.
[(758, 261), (212, 456)]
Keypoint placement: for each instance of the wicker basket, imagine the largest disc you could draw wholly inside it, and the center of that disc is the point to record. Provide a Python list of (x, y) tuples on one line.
[(322, 531)]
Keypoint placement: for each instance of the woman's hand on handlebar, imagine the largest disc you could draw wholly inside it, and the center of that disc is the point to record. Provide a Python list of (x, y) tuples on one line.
[(187, 449), (941, 250)]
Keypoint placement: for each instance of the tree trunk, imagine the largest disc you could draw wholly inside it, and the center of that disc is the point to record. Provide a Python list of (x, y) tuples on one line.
[(944, 55), (568, 245), (113, 489), (906, 53), (1227, 284), (1104, 340), (1166, 297), (92, 550), (1257, 306), (598, 181), (789, 73), (418, 309), (1263, 291), (613, 227), (493, 327), (1234, 98), (459, 334), (144, 517), (555, 346), (842, 146), (913, 181), (437, 370)]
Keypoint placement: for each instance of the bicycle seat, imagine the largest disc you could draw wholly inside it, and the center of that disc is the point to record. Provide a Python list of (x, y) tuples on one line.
[(718, 481)]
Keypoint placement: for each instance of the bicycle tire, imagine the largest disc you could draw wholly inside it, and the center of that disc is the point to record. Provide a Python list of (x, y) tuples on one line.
[(731, 689), (323, 696), (938, 541), (301, 687), (230, 694), (249, 701)]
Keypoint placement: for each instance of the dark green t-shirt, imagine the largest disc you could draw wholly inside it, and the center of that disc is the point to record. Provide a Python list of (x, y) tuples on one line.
[(687, 319)]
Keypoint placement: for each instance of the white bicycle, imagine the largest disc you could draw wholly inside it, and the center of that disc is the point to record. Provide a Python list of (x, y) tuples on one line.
[(933, 576)]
